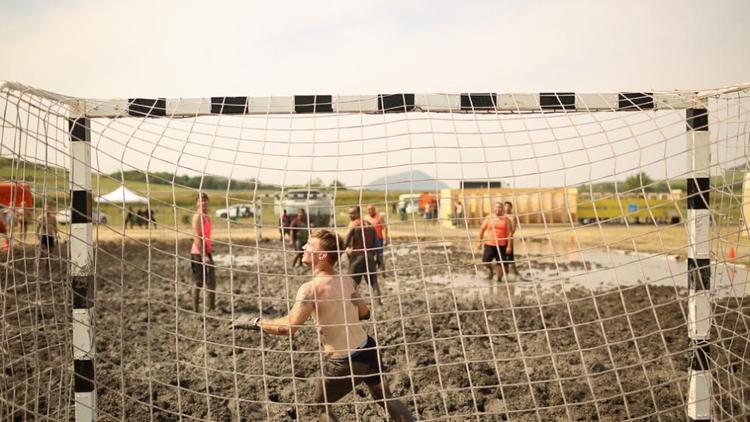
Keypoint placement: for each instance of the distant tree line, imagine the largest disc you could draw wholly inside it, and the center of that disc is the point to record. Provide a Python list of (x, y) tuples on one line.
[(196, 182), (635, 183)]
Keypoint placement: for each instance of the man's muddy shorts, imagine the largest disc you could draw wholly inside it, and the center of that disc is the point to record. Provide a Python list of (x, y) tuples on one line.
[(340, 377), (360, 266), (495, 253), (47, 242), (202, 271)]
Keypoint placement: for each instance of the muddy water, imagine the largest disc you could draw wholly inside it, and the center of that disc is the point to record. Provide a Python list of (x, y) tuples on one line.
[(563, 266), (565, 345)]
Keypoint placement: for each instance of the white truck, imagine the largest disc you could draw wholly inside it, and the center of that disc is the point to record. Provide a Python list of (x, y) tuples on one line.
[(409, 202), (237, 211)]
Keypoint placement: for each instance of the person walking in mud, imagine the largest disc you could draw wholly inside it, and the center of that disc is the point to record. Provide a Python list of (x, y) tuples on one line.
[(300, 229), (511, 258), (201, 260), (23, 217), (499, 241), (336, 309), (458, 214), (381, 232), (46, 231), (360, 246), (130, 218), (4, 229), (284, 225)]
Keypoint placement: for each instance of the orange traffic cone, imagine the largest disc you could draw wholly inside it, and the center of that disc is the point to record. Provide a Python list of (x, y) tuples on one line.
[(732, 253)]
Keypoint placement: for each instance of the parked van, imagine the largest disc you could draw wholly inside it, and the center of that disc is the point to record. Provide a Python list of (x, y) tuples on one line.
[(318, 205)]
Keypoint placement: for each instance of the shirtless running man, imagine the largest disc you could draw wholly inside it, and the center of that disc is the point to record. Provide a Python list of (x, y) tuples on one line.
[(336, 308)]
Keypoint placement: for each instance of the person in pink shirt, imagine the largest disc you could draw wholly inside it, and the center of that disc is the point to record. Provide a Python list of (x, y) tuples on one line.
[(201, 261)]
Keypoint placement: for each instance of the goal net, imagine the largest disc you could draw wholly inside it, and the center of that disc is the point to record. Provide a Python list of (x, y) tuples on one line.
[(619, 281)]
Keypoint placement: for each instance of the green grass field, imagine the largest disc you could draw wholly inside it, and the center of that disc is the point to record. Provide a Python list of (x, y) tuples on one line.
[(173, 205)]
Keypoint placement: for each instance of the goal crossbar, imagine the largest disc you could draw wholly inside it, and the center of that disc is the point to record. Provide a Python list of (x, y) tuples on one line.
[(488, 102)]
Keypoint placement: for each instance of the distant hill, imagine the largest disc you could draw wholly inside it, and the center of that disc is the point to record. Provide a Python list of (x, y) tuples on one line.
[(417, 181)]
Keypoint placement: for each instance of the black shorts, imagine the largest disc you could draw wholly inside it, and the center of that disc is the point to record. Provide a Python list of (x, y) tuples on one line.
[(363, 265), (340, 377), (47, 241), (203, 271), (495, 253)]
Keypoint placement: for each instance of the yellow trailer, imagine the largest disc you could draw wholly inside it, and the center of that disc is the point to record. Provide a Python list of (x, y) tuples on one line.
[(635, 209)]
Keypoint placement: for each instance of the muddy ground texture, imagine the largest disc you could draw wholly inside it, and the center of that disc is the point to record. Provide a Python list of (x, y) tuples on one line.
[(493, 351)]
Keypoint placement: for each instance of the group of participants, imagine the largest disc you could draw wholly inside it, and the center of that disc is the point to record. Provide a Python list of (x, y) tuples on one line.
[(140, 218), (46, 227), (330, 298)]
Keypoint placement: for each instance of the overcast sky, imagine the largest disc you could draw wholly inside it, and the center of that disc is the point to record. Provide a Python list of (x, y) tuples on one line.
[(183, 48), (106, 49)]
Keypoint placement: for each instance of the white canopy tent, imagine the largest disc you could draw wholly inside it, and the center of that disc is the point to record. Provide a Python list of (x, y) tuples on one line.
[(122, 195)]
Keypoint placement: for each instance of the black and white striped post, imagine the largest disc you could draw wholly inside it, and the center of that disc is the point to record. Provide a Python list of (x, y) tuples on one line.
[(81, 268), (699, 263)]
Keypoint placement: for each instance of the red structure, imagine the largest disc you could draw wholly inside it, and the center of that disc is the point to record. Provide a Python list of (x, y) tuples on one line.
[(15, 194)]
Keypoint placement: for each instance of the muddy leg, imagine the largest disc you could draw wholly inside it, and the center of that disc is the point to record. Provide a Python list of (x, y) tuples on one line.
[(335, 389), (381, 261), (196, 295), (395, 408), (211, 300), (376, 290), (490, 273)]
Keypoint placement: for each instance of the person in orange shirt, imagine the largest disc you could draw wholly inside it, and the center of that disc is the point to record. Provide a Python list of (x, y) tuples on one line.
[(381, 231), (499, 241)]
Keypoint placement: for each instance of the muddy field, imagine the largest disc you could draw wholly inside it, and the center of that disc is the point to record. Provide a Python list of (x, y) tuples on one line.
[(527, 350)]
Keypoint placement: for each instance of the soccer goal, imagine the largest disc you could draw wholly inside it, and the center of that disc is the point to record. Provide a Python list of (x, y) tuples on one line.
[(544, 256)]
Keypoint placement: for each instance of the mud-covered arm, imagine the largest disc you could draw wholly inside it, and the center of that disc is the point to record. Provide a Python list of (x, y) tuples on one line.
[(349, 241), (300, 312), (362, 310), (197, 232), (511, 232), (349, 238), (481, 232)]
